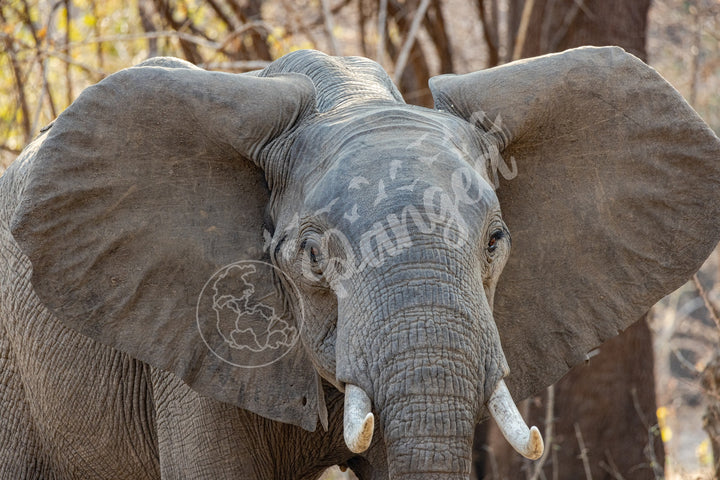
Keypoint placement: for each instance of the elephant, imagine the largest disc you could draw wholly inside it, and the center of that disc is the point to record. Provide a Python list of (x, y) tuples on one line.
[(260, 275)]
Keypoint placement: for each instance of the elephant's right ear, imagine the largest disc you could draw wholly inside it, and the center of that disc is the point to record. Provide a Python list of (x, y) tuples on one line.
[(144, 188), (615, 202)]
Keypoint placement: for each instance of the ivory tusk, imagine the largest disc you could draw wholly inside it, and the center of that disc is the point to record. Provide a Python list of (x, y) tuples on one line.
[(526, 441), (359, 421)]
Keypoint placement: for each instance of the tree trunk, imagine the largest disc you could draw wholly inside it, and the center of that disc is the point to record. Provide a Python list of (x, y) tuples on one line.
[(604, 413), (556, 25)]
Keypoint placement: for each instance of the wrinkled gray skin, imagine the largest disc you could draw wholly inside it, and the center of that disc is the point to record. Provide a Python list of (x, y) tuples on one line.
[(447, 283), (407, 317)]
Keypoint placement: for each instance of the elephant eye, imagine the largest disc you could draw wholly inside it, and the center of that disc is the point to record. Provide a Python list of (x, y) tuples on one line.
[(313, 257), (495, 238)]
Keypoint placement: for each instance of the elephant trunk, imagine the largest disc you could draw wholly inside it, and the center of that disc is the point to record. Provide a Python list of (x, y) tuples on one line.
[(359, 425), (428, 413), (424, 347)]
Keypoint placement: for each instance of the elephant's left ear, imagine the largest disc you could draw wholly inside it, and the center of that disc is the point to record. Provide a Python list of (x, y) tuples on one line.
[(142, 213), (615, 204)]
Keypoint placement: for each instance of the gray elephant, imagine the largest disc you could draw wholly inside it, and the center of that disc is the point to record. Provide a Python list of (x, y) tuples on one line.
[(208, 275)]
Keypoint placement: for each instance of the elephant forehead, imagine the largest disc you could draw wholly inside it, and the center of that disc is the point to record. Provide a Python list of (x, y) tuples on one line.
[(392, 200), (415, 141), (393, 126)]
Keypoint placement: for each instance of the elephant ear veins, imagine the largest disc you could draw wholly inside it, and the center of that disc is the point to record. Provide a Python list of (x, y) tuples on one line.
[(615, 202), (143, 189)]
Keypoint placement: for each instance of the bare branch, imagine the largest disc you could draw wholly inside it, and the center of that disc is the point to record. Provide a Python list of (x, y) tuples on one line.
[(145, 13), (490, 34), (382, 31), (66, 49), (14, 151), (70, 61), (242, 29), (222, 15), (583, 452), (248, 12), (187, 37), (567, 22), (549, 432), (362, 18), (652, 432), (19, 84), (410, 40), (42, 61), (520, 39), (297, 16), (434, 23), (695, 56), (240, 65), (329, 26), (710, 307), (611, 468), (189, 48)]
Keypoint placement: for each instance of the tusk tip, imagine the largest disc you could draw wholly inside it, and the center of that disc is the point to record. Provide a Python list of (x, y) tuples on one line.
[(359, 421), (535, 445), (361, 442)]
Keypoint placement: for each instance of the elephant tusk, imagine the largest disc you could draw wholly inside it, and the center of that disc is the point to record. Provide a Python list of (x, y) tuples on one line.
[(359, 421), (526, 441)]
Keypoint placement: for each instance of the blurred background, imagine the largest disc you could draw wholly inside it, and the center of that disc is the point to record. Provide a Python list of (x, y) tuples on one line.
[(648, 404)]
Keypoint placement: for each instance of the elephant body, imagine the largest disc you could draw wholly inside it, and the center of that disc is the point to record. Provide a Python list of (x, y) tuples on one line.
[(171, 212)]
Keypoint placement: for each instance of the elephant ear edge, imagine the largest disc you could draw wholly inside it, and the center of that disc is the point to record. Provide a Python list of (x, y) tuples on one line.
[(614, 205), (143, 189)]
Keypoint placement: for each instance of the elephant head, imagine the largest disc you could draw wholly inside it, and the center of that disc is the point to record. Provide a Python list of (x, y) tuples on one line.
[(258, 233)]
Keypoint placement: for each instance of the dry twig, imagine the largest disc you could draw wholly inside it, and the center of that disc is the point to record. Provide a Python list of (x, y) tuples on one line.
[(382, 31), (410, 40), (710, 307), (583, 452), (549, 432), (329, 26)]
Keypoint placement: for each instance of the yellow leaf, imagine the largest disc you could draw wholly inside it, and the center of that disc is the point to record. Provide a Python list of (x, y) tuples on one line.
[(704, 453), (41, 33), (665, 434), (662, 414)]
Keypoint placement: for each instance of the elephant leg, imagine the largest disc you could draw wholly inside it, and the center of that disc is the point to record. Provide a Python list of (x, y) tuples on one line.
[(199, 437), (19, 450), (90, 409), (71, 407)]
